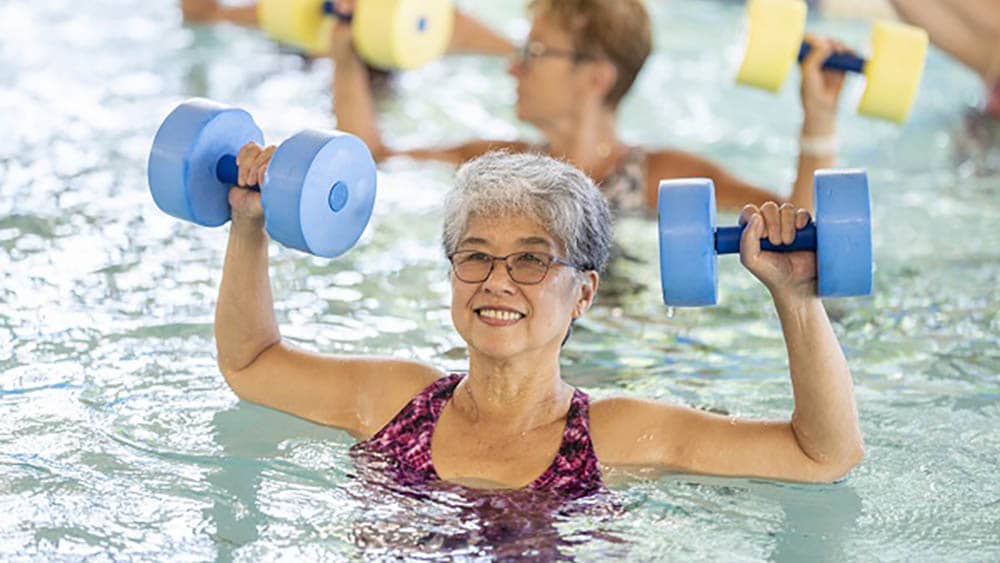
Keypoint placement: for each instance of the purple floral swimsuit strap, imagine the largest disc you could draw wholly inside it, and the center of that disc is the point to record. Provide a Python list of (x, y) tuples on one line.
[(575, 471), (405, 443)]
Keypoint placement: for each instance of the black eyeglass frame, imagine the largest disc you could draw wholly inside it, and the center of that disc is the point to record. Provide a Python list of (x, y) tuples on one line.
[(553, 259)]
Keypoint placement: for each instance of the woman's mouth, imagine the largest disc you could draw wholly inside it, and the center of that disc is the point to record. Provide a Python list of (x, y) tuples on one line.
[(498, 317)]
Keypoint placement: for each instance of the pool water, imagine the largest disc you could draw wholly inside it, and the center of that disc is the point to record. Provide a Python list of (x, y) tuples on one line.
[(120, 440)]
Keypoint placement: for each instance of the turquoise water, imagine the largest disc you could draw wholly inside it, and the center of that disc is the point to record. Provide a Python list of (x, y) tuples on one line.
[(119, 439)]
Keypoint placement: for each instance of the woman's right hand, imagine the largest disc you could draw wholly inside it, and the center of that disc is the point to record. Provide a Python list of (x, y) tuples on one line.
[(252, 162)]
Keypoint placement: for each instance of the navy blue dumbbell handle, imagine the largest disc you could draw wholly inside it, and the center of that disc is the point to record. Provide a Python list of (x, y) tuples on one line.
[(228, 173), (837, 61), (727, 240), (330, 9)]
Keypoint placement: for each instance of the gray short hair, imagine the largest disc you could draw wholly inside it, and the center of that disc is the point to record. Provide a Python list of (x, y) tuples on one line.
[(554, 193)]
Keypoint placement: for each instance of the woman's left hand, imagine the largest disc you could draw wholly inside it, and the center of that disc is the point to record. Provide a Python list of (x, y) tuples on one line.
[(785, 274)]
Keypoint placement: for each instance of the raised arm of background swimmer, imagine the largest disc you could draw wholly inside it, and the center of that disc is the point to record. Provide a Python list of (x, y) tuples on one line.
[(822, 440), (469, 35), (353, 102), (820, 93), (356, 394), (354, 106)]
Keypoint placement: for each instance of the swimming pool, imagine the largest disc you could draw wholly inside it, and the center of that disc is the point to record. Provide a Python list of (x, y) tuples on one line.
[(119, 439)]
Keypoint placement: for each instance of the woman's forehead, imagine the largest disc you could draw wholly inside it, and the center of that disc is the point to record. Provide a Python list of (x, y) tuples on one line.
[(545, 28), (511, 230)]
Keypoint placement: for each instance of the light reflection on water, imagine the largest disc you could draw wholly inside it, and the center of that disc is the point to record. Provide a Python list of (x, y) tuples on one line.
[(118, 436)]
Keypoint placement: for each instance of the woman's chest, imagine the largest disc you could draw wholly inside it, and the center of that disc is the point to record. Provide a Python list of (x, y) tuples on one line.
[(468, 454)]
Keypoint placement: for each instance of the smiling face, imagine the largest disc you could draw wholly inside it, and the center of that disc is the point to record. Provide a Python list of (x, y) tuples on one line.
[(504, 320)]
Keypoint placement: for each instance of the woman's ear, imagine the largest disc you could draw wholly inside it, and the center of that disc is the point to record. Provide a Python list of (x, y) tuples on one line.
[(589, 282), (603, 76)]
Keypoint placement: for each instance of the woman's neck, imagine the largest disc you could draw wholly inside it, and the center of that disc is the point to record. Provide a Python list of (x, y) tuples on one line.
[(519, 395), (588, 138)]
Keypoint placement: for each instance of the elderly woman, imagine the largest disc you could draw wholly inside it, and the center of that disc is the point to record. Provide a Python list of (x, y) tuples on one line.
[(580, 60), (527, 237)]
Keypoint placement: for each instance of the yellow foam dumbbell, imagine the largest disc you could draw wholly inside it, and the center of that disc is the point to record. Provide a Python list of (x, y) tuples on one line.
[(892, 73), (390, 34)]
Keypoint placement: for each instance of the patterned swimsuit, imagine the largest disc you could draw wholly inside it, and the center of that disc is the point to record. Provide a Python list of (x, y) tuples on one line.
[(625, 186), (404, 444)]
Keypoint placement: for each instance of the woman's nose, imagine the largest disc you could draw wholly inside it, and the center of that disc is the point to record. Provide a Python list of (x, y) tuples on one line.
[(516, 66), (499, 279)]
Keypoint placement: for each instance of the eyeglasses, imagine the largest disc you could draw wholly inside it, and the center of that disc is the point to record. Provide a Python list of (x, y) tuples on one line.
[(525, 268), (536, 50)]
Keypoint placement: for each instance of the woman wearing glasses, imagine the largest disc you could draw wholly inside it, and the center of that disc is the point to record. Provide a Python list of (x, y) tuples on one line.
[(528, 237), (580, 60)]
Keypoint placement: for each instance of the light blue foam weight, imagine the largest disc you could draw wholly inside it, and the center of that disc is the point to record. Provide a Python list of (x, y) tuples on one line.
[(690, 240), (687, 220), (319, 192), (183, 159), (843, 233)]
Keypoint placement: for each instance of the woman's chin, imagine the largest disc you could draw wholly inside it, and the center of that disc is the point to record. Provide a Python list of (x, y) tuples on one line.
[(495, 349), (495, 353)]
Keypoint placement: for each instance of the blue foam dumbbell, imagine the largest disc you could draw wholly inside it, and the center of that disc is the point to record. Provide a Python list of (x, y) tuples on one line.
[(690, 241), (318, 192)]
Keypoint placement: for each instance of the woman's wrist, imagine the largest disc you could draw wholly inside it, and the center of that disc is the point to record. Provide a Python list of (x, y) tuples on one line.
[(796, 301), (819, 137), (819, 125), (345, 58), (248, 227)]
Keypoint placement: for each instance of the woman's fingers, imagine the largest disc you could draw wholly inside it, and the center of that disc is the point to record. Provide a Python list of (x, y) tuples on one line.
[(251, 168), (820, 49), (779, 224), (252, 162), (750, 240), (772, 221), (267, 162), (787, 212), (802, 218), (748, 211), (244, 162), (260, 166)]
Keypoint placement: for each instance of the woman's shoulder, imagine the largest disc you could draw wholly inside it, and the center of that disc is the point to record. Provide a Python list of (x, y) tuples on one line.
[(397, 383), (627, 430)]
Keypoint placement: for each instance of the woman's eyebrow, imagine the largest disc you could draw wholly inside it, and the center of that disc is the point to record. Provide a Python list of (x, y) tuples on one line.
[(476, 241), (535, 241), (526, 241)]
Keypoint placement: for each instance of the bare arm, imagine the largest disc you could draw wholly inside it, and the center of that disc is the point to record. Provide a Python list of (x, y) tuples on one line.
[(821, 442), (820, 95), (809, 162), (731, 193), (244, 317), (354, 107), (356, 394), (968, 30), (353, 102), (471, 36), (463, 152), (211, 11)]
